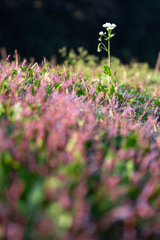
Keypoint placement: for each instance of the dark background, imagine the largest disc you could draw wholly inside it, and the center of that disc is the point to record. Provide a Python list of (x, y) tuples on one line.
[(38, 28)]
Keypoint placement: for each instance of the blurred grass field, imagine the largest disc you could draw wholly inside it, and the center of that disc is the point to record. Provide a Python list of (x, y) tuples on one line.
[(79, 159)]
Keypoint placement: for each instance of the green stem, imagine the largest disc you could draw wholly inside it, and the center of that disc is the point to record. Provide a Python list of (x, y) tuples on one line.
[(103, 47), (109, 51), (109, 54)]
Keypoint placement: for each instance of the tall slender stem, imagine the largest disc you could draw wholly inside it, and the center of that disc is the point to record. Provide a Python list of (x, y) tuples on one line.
[(109, 54), (108, 51)]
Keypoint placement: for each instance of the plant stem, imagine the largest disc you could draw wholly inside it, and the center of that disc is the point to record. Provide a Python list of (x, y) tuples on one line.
[(109, 54)]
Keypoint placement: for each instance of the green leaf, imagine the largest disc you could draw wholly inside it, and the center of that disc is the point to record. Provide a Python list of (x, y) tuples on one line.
[(112, 35), (120, 96), (111, 90), (124, 169), (81, 92), (31, 71), (130, 141), (107, 70), (114, 62), (2, 109), (129, 168), (98, 88), (36, 195), (14, 72), (57, 85)]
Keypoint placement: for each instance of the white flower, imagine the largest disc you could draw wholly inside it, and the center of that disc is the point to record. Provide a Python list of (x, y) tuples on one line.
[(112, 26), (109, 26), (98, 50), (106, 24), (101, 33)]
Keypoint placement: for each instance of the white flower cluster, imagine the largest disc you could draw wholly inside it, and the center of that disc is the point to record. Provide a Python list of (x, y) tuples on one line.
[(109, 26)]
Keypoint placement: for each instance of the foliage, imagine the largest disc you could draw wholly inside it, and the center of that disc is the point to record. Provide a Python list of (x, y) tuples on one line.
[(79, 160)]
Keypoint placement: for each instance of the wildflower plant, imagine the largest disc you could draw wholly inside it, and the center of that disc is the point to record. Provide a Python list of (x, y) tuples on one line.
[(109, 27)]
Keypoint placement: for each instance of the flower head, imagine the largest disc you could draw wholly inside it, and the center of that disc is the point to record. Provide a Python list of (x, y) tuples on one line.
[(106, 24), (109, 26), (101, 33), (112, 26)]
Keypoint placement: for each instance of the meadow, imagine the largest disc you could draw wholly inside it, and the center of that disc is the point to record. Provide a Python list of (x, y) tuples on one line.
[(78, 159)]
